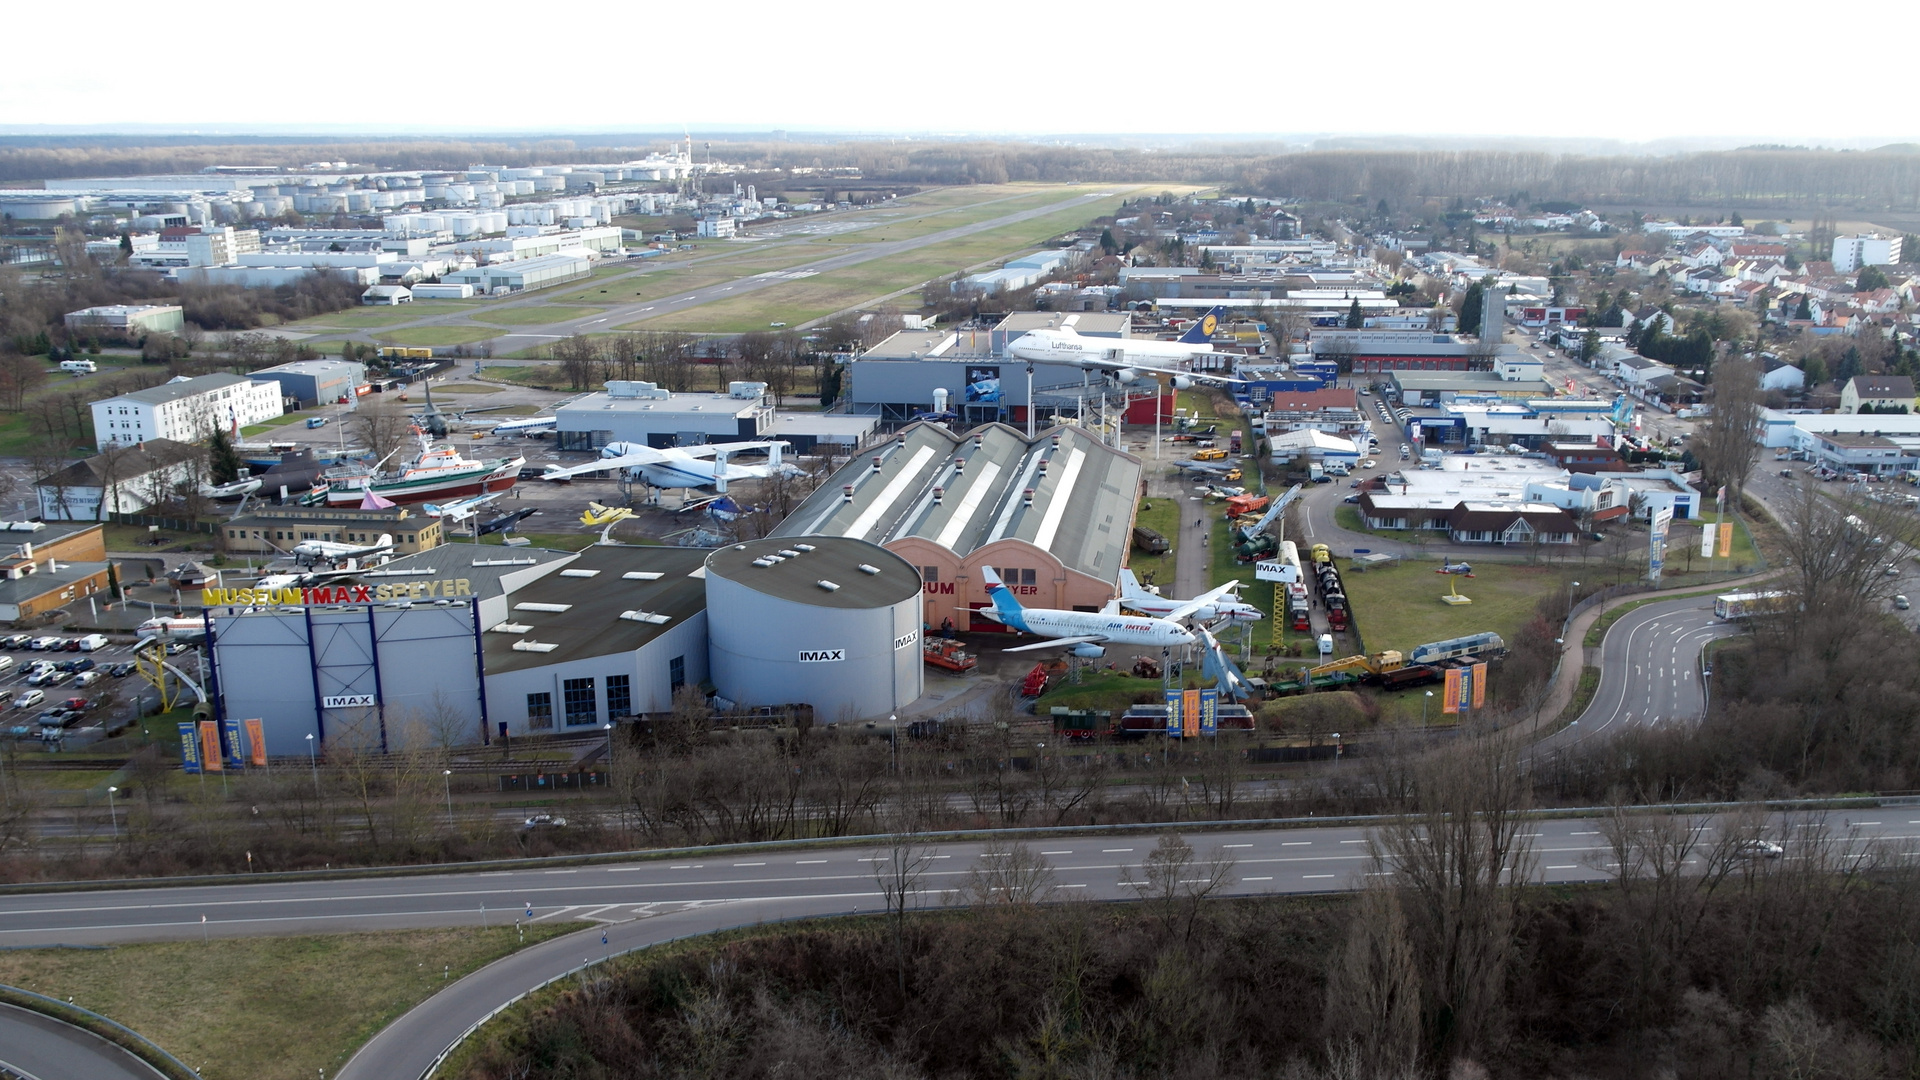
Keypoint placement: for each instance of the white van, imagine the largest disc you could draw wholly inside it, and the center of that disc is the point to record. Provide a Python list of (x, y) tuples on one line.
[(79, 367), (1326, 644), (92, 642)]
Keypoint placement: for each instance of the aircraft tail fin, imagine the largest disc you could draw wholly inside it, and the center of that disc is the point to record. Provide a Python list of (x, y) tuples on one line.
[(1005, 605), (1129, 585), (386, 540), (1202, 330)]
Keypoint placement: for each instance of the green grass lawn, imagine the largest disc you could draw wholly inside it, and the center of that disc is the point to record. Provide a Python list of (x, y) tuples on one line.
[(796, 302), (1399, 607), (535, 314), (466, 388), (269, 425), (536, 375), (438, 335), (1163, 517), (266, 1008), (371, 316)]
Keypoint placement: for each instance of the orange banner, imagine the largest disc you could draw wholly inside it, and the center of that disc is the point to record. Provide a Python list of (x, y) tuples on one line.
[(210, 757), (256, 742), (1479, 685), (1726, 540), (1450, 692), (1190, 714)]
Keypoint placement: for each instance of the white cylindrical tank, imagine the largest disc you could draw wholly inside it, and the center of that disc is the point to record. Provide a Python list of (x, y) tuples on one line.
[(830, 621)]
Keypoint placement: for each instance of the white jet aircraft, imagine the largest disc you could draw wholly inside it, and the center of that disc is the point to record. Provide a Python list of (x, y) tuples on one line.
[(460, 509), (1127, 358), (1087, 633), (681, 467), (1136, 596), (315, 552)]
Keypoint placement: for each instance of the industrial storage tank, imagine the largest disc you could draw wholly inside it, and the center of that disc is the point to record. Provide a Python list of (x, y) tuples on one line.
[(830, 621)]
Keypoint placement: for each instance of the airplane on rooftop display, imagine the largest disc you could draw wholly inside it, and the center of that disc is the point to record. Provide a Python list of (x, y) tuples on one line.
[(1224, 605), (1128, 359), (314, 552), (681, 467), (1087, 633)]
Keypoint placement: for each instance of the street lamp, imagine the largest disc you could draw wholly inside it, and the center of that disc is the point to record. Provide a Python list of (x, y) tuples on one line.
[(1336, 748), (115, 814), (446, 779), (893, 722), (1424, 702), (1706, 697), (1571, 585), (313, 764), (608, 727)]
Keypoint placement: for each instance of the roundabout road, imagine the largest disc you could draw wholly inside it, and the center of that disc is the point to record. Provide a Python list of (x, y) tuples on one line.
[(42, 1048), (1649, 671)]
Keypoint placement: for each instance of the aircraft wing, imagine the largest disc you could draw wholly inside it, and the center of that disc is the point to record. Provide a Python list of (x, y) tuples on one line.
[(632, 459), (1055, 643), (1197, 376), (1200, 601), (709, 449)]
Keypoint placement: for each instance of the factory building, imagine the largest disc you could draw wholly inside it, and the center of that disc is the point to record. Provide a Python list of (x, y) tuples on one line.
[(1053, 514), (312, 382), (271, 530), (916, 371), (831, 621)]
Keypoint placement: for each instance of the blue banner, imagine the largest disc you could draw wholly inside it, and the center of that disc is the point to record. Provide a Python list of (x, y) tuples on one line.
[(230, 744), (1209, 712), (1174, 728), (189, 747)]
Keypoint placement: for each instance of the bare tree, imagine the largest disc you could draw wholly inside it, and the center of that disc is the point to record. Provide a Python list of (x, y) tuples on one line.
[(1373, 989), (383, 428), (1011, 874), (898, 866), (1728, 447), (1175, 880)]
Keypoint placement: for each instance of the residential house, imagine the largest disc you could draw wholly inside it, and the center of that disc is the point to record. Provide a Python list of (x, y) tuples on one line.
[(1701, 254), (1782, 376), (1510, 525), (1884, 393), (120, 480)]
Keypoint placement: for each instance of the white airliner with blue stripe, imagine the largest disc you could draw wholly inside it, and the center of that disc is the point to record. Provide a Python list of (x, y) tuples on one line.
[(1086, 633), (680, 466)]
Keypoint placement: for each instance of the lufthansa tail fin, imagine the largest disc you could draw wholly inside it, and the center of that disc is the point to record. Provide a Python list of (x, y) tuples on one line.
[(1202, 330)]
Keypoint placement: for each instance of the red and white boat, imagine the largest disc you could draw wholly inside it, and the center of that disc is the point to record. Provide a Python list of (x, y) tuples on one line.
[(435, 473)]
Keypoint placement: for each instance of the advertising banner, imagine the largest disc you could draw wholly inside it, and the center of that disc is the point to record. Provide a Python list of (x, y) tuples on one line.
[(1480, 686), (1209, 712), (236, 754), (210, 746), (256, 742), (1174, 699), (1706, 541), (1190, 714), (1726, 541), (1450, 692), (189, 748), (983, 386)]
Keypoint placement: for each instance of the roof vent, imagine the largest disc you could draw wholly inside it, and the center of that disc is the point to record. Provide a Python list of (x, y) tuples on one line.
[(790, 553), (643, 575), (828, 585), (763, 562), (846, 493), (937, 493), (534, 646), (579, 573), (959, 465), (804, 547), (509, 628), (653, 617), (495, 562), (977, 440), (876, 463), (531, 606), (1043, 466), (1026, 497), (869, 568), (1056, 442)]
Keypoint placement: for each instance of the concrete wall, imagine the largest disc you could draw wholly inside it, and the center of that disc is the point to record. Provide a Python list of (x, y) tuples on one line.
[(648, 670), (755, 641)]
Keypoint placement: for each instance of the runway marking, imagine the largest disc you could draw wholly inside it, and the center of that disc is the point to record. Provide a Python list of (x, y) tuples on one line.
[(1313, 877), (1113, 850), (1353, 841), (1257, 879), (808, 862), (563, 871), (1296, 843), (1056, 853), (749, 864)]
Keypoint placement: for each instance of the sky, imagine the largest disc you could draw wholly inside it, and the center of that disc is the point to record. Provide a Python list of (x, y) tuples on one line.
[(1630, 70)]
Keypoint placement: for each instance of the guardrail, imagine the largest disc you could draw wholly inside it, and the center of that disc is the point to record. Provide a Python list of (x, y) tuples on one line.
[(105, 1027)]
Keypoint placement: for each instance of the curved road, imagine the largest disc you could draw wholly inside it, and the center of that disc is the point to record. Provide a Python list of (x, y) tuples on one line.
[(42, 1048), (1649, 671)]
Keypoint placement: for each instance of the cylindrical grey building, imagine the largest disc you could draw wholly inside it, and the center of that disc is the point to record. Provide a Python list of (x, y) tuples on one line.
[(830, 621)]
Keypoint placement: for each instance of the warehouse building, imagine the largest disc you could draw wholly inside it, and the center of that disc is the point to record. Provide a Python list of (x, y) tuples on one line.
[(127, 322), (524, 274), (312, 382), (185, 410), (640, 412), (613, 633), (831, 621), (914, 371), (1053, 514)]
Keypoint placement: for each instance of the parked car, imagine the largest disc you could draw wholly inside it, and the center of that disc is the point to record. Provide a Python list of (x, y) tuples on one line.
[(70, 645), (77, 704), (121, 670), (77, 666), (87, 678), (55, 678), (1351, 499), (1760, 849), (42, 644), (29, 699), (1900, 603), (15, 641)]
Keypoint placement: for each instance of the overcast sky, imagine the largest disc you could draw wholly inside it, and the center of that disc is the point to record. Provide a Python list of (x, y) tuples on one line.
[(1631, 70)]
